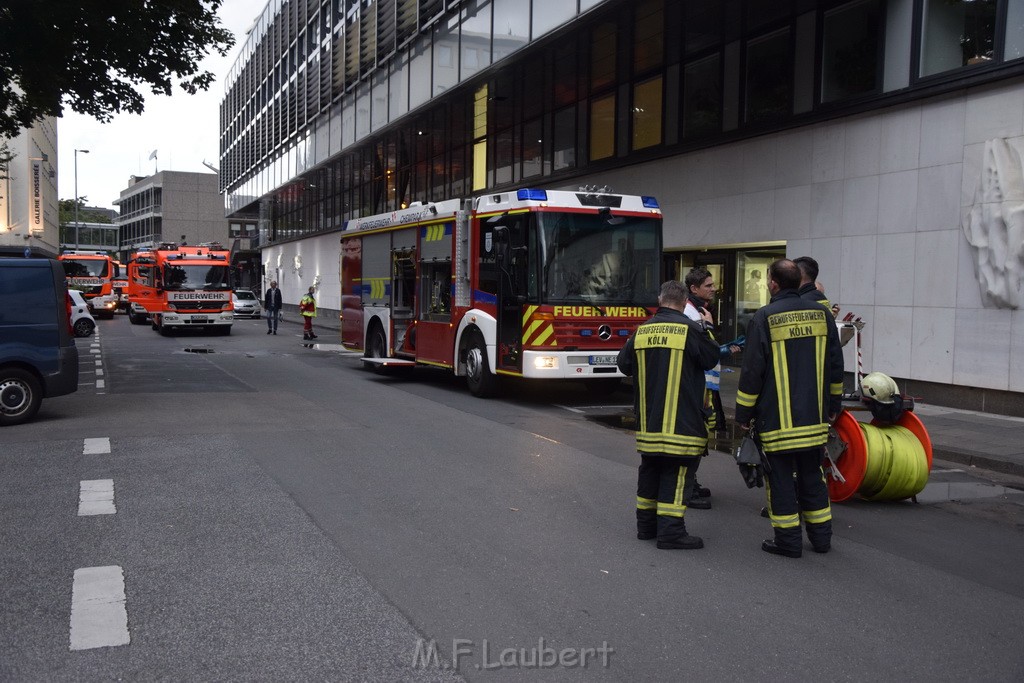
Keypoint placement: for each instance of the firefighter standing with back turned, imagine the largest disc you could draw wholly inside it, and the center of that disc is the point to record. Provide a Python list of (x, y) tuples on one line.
[(790, 388), (667, 356)]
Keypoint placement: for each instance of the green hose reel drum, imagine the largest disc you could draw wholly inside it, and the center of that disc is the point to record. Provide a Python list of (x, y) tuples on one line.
[(881, 462)]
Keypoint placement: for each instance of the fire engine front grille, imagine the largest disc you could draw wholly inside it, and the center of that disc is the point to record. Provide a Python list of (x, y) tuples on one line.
[(185, 306)]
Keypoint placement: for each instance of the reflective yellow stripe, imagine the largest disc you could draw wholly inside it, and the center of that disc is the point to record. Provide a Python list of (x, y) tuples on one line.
[(817, 516), (795, 444), (782, 383), (646, 503), (670, 510), (745, 399), (836, 389), (527, 312), (819, 364), (675, 372), (641, 378), (806, 430), (784, 521), (680, 487)]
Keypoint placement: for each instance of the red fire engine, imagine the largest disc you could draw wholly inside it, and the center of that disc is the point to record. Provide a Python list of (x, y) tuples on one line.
[(186, 286), (528, 283), (89, 271)]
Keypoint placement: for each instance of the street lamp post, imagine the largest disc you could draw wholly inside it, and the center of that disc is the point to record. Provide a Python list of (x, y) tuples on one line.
[(83, 151)]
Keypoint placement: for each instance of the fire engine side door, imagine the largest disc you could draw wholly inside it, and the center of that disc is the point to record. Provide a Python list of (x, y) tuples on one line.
[(512, 254)]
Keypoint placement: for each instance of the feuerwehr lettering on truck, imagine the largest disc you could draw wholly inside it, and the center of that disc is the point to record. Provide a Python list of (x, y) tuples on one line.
[(198, 296)]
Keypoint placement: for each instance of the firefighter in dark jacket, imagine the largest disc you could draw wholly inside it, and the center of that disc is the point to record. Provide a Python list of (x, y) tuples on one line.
[(790, 388), (809, 282), (667, 357)]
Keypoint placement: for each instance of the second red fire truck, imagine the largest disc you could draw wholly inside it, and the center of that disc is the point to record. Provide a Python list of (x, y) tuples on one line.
[(181, 287), (529, 283)]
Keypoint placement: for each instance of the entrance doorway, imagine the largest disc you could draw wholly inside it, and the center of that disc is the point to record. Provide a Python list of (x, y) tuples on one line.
[(741, 284)]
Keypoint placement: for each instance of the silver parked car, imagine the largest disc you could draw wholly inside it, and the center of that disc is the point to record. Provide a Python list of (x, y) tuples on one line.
[(247, 304)]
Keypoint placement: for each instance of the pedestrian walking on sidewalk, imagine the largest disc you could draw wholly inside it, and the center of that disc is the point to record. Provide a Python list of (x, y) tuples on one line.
[(667, 356), (272, 305), (307, 307)]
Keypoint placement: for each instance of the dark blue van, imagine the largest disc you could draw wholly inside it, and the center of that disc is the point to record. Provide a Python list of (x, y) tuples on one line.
[(38, 358)]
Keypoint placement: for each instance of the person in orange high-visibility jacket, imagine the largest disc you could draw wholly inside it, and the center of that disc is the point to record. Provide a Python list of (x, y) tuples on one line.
[(307, 307), (790, 388), (667, 357)]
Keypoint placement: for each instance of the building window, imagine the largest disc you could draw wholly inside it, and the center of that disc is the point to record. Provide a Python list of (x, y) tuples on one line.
[(603, 48), (850, 50), (602, 127), (702, 97), (648, 35), (956, 33), (647, 113), (1014, 31), (769, 78), (564, 139)]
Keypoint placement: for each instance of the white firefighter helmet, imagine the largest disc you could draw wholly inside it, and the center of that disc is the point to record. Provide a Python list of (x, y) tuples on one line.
[(879, 387)]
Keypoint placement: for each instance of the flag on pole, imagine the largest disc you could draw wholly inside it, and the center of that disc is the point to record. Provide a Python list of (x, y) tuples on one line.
[(153, 155)]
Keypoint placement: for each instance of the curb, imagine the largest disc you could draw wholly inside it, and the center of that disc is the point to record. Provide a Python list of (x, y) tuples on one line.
[(979, 461)]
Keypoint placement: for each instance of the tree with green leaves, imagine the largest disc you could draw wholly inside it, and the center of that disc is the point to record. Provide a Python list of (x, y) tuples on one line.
[(96, 56), (66, 212)]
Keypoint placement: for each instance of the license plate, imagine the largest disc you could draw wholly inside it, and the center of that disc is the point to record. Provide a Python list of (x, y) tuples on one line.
[(200, 319), (603, 360)]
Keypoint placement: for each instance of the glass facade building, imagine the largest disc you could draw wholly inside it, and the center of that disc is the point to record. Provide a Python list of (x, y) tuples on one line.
[(854, 131), (342, 108)]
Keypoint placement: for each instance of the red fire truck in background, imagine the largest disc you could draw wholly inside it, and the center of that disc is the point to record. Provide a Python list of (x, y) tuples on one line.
[(92, 272), (529, 283), (183, 287)]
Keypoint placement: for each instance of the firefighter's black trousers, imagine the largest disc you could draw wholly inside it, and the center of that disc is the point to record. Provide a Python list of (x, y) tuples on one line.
[(797, 492), (661, 493)]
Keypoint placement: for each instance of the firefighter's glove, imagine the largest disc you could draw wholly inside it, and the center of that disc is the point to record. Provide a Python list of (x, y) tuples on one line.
[(752, 475)]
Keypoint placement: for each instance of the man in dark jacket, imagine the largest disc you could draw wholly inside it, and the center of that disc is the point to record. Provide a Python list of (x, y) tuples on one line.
[(809, 281), (667, 356), (272, 305), (790, 389)]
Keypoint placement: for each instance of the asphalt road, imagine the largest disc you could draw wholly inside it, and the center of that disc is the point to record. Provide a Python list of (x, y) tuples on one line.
[(283, 514)]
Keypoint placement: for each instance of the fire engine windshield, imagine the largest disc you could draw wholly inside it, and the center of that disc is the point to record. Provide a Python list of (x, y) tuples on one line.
[(600, 258), (196, 277), (85, 267)]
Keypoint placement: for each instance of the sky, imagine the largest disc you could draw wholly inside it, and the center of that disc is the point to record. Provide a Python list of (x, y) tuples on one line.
[(182, 128)]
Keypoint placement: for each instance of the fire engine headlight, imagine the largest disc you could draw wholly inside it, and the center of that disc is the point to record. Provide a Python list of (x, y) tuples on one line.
[(171, 307), (546, 362)]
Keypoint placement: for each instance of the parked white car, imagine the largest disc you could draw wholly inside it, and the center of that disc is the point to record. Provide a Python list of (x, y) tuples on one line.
[(82, 321), (246, 304)]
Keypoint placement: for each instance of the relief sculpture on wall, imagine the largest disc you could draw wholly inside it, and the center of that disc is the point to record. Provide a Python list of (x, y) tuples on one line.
[(994, 226)]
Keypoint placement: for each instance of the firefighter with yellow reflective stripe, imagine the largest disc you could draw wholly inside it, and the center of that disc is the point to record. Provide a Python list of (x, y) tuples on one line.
[(790, 389), (667, 357)]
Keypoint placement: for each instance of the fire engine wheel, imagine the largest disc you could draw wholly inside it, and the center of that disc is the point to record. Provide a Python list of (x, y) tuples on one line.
[(481, 382), (134, 318), (377, 347), (20, 396)]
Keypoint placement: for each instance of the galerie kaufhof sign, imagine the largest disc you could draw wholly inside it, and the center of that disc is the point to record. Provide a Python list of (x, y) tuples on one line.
[(35, 197)]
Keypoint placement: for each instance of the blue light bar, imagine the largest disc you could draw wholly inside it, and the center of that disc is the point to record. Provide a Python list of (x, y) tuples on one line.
[(623, 333), (532, 195), (650, 203)]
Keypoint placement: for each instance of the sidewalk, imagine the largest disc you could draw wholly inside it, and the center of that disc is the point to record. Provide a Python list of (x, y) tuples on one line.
[(985, 440)]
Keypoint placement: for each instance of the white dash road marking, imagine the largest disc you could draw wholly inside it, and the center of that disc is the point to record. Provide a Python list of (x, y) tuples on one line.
[(96, 446), (544, 437), (94, 351), (96, 497), (99, 372), (99, 362), (101, 384), (99, 616)]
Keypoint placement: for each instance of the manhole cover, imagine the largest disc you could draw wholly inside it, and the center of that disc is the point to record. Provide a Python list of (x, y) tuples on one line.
[(198, 349)]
